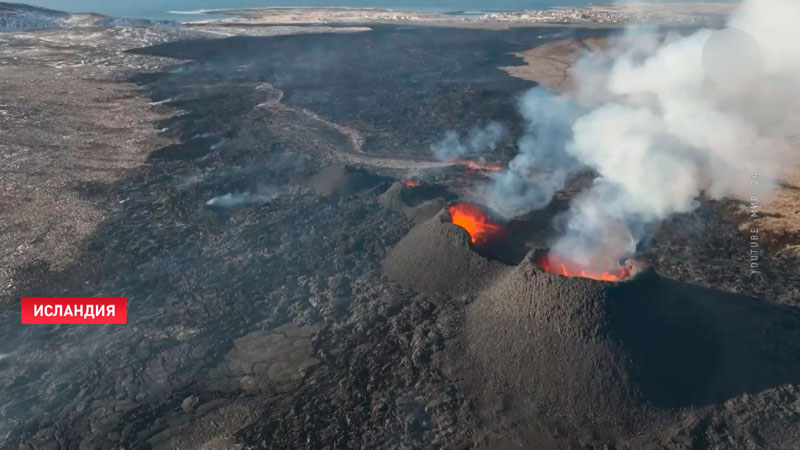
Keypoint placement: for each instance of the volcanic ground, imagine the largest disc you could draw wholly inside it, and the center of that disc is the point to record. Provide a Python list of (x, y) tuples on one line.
[(294, 279)]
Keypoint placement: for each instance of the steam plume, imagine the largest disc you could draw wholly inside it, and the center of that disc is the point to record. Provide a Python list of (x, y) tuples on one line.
[(234, 199), (542, 166), (478, 141), (660, 128)]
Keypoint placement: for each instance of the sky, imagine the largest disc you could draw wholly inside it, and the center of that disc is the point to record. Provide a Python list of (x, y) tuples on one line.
[(158, 9)]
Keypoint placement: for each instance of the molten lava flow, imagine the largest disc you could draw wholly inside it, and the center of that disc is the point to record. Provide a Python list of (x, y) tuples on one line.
[(474, 220), (410, 183), (554, 264), (477, 166)]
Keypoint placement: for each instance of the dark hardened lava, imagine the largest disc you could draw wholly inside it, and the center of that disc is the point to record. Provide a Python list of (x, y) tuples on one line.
[(401, 86), (198, 278)]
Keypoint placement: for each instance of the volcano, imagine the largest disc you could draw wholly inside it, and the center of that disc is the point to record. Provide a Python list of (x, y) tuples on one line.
[(556, 340), (597, 352), (343, 180), (437, 256), (415, 200)]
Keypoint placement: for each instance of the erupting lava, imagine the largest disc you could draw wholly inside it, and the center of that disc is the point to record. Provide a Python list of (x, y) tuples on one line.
[(477, 166), (554, 264), (474, 220), (410, 183)]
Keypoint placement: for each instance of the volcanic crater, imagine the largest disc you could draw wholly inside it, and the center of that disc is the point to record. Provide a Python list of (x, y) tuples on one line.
[(594, 349)]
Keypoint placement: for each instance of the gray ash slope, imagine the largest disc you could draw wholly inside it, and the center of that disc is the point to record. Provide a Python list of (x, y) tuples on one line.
[(210, 288)]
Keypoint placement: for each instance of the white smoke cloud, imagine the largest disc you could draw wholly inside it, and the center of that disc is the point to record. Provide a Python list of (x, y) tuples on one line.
[(478, 141), (773, 24), (660, 132), (542, 166), (234, 199)]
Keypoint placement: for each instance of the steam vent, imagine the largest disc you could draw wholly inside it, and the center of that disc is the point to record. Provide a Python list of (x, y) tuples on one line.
[(596, 348)]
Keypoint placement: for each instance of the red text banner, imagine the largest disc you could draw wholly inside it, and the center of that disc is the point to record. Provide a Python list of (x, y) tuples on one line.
[(74, 310)]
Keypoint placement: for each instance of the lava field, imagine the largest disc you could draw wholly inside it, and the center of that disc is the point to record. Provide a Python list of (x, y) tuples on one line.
[(301, 273)]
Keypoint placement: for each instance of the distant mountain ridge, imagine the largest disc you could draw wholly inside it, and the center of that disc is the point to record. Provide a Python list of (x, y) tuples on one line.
[(5, 6), (22, 17)]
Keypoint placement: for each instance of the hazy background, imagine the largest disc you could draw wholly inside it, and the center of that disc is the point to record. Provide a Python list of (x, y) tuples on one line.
[(160, 8)]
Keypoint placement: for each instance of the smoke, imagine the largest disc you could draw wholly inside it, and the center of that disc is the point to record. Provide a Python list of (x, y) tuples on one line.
[(478, 141), (661, 122), (234, 199), (542, 166)]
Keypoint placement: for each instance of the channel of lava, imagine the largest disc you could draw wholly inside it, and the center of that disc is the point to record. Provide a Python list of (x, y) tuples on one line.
[(557, 265)]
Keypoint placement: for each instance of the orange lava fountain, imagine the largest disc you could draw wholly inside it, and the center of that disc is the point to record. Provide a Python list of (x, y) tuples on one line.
[(552, 263), (410, 183), (474, 220), (477, 166)]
